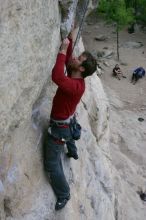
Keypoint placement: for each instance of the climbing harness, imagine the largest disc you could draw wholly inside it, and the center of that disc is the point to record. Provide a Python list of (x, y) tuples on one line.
[(73, 126)]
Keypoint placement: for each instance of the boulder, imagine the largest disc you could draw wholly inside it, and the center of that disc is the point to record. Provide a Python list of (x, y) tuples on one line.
[(106, 63), (132, 44), (101, 38), (100, 54), (108, 54), (105, 54)]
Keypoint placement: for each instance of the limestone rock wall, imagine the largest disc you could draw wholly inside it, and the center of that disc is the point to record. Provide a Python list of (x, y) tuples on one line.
[(29, 42)]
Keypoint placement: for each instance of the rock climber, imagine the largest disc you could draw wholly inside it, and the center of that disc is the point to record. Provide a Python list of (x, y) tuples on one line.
[(64, 128)]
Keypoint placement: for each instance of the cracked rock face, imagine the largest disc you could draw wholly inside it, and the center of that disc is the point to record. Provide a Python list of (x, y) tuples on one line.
[(29, 42), (74, 10)]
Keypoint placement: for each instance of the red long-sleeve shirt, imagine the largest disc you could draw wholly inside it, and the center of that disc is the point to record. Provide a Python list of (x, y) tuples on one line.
[(70, 90)]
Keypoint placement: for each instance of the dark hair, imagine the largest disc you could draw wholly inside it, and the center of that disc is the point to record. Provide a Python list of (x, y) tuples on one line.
[(89, 64)]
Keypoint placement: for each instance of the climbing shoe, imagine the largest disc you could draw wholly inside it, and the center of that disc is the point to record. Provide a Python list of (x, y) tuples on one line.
[(61, 202), (143, 196), (74, 155)]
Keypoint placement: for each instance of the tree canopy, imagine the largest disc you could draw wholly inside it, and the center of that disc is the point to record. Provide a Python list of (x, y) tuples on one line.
[(124, 11), (116, 11)]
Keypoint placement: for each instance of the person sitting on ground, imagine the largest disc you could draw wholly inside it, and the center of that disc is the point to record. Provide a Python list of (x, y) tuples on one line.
[(137, 74), (62, 122), (117, 72)]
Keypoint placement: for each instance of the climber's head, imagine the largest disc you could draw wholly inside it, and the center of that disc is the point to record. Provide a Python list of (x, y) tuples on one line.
[(85, 65), (89, 64)]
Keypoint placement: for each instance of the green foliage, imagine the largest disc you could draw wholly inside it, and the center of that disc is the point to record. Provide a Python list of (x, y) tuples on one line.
[(123, 11), (103, 6), (116, 11), (139, 8), (141, 11)]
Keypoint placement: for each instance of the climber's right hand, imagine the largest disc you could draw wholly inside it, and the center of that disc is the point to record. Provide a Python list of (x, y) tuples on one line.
[(64, 46)]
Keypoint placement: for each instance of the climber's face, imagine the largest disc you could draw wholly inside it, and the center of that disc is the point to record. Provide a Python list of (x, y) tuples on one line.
[(76, 64)]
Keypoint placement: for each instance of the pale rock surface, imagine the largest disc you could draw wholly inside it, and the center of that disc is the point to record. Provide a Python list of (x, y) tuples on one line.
[(127, 146), (68, 10), (29, 41), (29, 37)]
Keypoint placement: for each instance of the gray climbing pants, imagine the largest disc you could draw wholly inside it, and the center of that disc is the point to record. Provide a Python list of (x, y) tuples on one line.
[(52, 158)]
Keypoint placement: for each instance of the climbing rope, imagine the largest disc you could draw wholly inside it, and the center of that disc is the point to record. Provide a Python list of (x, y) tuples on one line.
[(80, 26)]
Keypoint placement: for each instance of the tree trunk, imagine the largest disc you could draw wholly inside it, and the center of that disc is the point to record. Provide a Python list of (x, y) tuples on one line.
[(117, 42), (135, 7)]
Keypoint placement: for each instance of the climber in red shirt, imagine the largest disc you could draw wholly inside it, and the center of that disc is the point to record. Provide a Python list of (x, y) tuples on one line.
[(64, 128), (70, 89)]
